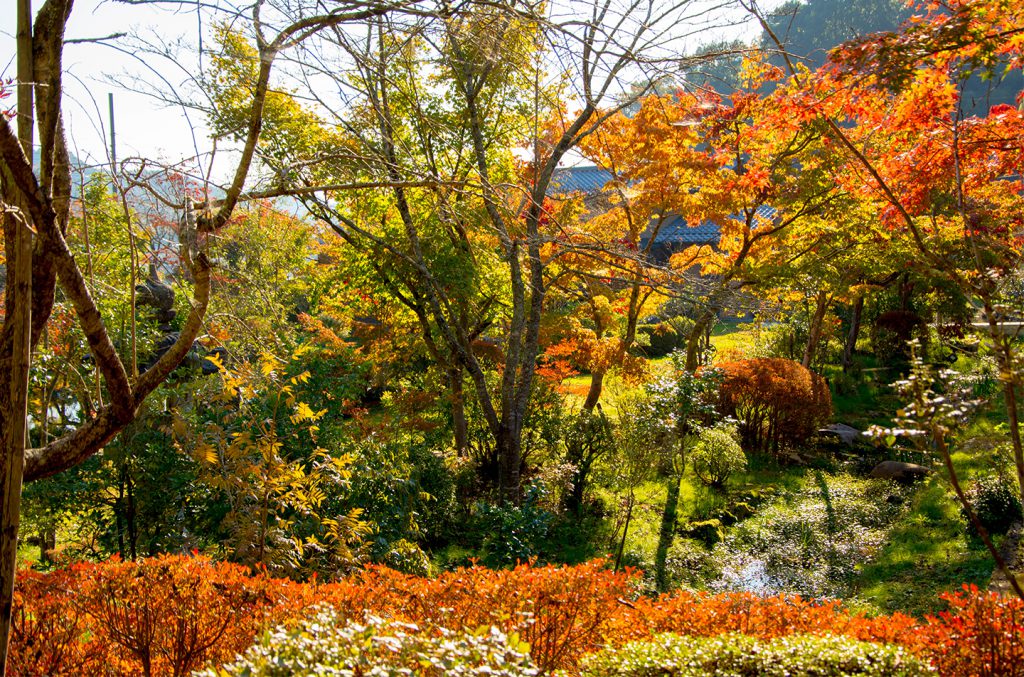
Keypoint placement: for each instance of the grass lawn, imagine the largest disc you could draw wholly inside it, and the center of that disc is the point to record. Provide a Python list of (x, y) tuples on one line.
[(928, 553), (733, 341), (928, 550)]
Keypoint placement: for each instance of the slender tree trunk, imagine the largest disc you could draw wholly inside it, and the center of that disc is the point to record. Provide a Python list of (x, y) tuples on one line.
[(1005, 361), (460, 426), (667, 533), (594, 394), (625, 530), (47, 544), (814, 334), (119, 518), (696, 339), (940, 442), (851, 337), (130, 519), (15, 347)]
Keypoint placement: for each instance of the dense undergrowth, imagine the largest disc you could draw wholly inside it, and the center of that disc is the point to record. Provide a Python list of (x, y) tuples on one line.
[(172, 615)]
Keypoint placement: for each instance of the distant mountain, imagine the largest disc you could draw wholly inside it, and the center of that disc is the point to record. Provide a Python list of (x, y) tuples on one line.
[(809, 29)]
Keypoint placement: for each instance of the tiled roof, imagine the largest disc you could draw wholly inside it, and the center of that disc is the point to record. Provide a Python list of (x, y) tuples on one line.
[(675, 230), (585, 179)]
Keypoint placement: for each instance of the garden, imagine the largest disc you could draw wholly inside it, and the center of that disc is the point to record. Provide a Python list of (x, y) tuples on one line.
[(499, 341)]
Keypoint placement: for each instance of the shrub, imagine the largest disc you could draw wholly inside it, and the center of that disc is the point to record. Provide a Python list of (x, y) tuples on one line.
[(168, 615), (778, 402), (512, 533), (982, 634), (996, 504), (793, 656), (48, 627), (891, 332), (717, 456), (185, 613), (407, 557), (562, 613), (325, 644), (587, 438), (660, 339)]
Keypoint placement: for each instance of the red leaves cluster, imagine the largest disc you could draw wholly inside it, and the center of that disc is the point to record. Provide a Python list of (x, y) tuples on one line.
[(981, 634), (173, 614), (563, 613), (778, 402), (168, 615)]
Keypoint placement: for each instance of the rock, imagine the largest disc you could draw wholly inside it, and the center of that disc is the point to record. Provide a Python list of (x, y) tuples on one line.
[(904, 473), (742, 511), (193, 358), (208, 366), (847, 435), (709, 531), (157, 295)]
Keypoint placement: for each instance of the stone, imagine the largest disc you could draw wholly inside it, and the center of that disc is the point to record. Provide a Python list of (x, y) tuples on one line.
[(209, 366), (904, 473), (844, 433), (155, 294), (708, 531)]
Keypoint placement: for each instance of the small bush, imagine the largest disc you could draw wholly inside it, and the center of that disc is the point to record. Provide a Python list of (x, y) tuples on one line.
[(995, 502), (166, 615), (562, 613), (779, 403), (512, 533), (717, 456), (407, 557), (793, 656), (661, 339), (325, 644)]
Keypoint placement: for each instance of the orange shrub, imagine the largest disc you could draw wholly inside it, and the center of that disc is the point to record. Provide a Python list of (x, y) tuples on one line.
[(777, 402), (170, 615), (981, 635), (562, 613), (48, 627), (703, 614), (167, 615)]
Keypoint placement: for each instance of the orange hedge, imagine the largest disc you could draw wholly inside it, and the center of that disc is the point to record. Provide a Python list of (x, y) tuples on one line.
[(778, 402), (172, 614)]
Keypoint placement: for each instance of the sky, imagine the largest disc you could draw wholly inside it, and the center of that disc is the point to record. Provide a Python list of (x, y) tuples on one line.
[(144, 126)]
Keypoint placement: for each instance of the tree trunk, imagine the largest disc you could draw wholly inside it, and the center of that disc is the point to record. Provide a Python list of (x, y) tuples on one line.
[(814, 333), (460, 426), (1005, 360), (510, 457), (696, 339), (625, 530), (47, 544), (851, 337), (15, 347), (594, 394), (667, 533), (14, 414)]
